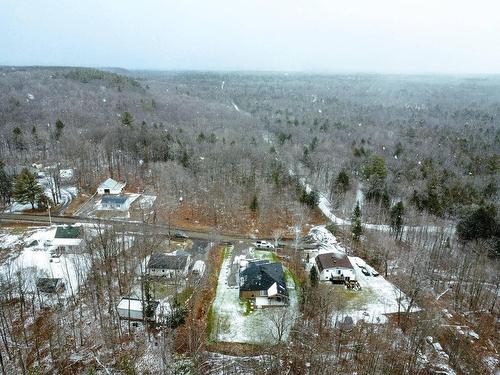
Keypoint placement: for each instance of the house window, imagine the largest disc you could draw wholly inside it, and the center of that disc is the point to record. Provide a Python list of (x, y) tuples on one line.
[(262, 293), (338, 271)]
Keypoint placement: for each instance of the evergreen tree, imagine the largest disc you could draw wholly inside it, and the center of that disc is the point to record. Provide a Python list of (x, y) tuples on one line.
[(17, 138), (59, 129), (26, 188), (185, 159), (397, 213), (356, 228), (314, 277), (127, 119), (254, 204), (481, 224), (5, 185), (342, 181), (43, 202)]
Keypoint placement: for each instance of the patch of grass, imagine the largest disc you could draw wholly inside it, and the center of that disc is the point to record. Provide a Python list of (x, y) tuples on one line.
[(210, 322), (183, 296), (161, 290), (351, 299), (247, 305), (227, 252), (290, 275), (262, 254)]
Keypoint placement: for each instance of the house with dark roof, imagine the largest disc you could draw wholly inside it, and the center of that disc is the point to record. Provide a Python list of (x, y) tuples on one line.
[(264, 282), (334, 266), (68, 235), (169, 265), (49, 285), (110, 186), (115, 202)]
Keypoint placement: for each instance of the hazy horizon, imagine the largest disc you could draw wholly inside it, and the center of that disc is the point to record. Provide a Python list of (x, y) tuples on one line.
[(319, 36)]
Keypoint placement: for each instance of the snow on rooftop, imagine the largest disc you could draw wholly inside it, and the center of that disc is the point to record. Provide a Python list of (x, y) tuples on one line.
[(133, 304)]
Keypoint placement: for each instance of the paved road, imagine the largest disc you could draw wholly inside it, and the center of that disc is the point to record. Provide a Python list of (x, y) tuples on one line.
[(129, 226)]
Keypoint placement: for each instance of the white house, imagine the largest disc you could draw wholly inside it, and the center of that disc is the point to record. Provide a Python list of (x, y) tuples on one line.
[(68, 235), (170, 265), (132, 309), (111, 186), (334, 267), (115, 202)]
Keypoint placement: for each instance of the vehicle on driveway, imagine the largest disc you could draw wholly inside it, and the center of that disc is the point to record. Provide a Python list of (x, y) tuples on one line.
[(180, 234), (259, 244)]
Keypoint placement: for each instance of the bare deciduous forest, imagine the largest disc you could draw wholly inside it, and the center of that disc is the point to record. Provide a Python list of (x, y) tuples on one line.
[(241, 156)]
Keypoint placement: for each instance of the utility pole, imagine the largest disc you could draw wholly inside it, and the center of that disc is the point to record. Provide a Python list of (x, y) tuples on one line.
[(50, 219)]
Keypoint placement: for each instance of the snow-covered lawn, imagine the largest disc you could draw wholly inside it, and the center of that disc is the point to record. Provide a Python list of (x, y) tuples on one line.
[(377, 296), (147, 201), (35, 261), (231, 320), (68, 193)]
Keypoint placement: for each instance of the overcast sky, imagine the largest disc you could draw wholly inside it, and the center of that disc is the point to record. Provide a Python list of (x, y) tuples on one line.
[(395, 36)]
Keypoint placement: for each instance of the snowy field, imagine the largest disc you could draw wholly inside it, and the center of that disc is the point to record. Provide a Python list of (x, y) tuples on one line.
[(34, 260), (232, 322), (377, 296)]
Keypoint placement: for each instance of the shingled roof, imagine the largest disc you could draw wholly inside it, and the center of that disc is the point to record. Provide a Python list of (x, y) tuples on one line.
[(48, 284), (168, 261), (332, 260), (114, 199), (68, 231), (261, 276)]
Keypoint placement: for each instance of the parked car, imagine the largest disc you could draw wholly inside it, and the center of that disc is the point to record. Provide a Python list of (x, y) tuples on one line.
[(259, 244), (180, 234)]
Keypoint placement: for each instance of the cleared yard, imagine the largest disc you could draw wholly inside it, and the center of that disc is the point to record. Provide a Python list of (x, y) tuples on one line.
[(233, 320)]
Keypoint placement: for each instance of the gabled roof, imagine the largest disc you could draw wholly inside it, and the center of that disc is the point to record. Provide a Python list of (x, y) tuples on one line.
[(48, 284), (111, 184), (332, 260), (168, 261), (114, 199), (135, 304), (262, 276), (68, 231)]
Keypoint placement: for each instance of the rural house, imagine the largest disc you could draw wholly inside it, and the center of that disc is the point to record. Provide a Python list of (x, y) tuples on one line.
[(335, 267), (133, 309), (114, 202), (264, 282), (169, 265), (68, 235), (110, 186)]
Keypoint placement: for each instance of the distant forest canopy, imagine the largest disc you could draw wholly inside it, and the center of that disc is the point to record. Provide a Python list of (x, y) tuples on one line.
[(431, 142)]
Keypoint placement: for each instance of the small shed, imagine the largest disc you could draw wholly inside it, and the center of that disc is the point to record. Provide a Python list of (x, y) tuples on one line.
[(110, 186), (133, 309), (114, 202)]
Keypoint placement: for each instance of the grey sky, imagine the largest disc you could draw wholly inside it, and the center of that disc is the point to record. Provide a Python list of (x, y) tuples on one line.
[(398, 36)]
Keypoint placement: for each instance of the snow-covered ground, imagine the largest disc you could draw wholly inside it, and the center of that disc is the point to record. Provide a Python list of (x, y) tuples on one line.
[(35, 260), (231, 324), (377, 296), (68, 193), (147, 201)]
